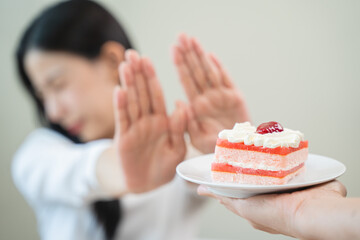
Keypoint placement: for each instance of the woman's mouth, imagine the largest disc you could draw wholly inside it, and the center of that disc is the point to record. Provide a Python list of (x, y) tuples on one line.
[(74, 129)]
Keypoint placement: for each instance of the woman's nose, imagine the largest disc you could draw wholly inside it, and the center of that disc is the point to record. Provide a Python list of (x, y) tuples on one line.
[(54, 109)]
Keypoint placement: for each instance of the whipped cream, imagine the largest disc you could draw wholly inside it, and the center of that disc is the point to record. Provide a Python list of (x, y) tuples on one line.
[(246, 133)]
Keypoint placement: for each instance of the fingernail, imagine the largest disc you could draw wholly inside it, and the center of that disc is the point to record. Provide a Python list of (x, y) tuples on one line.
[(203, 190), (127, 54)]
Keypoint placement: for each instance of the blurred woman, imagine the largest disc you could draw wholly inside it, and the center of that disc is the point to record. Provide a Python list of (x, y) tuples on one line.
[(102, 165)]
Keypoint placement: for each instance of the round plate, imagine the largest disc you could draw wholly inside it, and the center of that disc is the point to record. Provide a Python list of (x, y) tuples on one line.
[(318, 169)]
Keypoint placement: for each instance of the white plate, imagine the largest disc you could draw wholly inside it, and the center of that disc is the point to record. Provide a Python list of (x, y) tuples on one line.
[(318, 169)]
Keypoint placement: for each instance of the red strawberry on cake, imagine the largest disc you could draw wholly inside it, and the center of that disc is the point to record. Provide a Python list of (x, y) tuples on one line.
[(267, 155)]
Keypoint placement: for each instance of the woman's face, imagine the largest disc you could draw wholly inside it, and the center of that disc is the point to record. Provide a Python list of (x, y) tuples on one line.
[(76, 92)]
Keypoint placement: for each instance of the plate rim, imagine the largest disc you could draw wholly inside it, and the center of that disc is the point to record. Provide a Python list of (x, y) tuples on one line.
[(238, 186)]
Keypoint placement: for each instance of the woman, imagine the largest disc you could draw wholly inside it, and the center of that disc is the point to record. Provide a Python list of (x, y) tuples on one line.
[(103, 164)]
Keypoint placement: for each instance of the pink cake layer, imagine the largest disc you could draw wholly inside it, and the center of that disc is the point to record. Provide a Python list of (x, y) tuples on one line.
[(252, 179), (260, 160)]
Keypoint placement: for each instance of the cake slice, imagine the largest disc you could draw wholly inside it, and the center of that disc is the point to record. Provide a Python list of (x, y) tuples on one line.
[(267, 155)]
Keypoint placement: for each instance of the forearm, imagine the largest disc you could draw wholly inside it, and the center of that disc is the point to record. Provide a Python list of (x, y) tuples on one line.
[(330, 218), (109, 173)]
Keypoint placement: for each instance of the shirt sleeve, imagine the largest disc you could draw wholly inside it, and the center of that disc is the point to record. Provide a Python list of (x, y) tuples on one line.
[(50, 168)]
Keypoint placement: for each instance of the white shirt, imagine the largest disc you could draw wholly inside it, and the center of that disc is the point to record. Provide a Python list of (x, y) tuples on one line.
[(57, 178)]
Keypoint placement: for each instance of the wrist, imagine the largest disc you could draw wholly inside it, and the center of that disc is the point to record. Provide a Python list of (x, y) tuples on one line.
[(205, 146), (109, 173)]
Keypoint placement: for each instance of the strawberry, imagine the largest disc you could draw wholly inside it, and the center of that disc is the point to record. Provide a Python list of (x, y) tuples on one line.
[(269, 127)]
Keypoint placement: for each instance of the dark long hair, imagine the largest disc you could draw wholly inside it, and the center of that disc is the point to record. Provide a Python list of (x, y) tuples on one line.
[(80, 27)]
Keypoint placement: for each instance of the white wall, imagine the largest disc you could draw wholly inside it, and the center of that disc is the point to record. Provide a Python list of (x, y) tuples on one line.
[(297, 62)]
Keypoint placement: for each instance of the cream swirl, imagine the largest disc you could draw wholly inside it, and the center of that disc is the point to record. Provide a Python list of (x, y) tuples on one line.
[(246, 133)]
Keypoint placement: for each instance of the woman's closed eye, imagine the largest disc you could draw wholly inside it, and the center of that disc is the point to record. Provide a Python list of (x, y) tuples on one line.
[(57, 84), (53, 86)]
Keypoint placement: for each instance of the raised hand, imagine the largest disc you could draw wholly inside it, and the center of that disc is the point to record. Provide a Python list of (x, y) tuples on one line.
[(214, 102), (149, 143)]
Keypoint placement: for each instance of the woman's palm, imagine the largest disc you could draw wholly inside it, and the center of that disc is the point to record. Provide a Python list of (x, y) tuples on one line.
[(213, 111), (150, 144), (214, 102)]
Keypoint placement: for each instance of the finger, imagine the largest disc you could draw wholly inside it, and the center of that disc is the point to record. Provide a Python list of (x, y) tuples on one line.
[(127, 80), (334, 186), (193, 124), (157, 102), (141, 87), (263, 228), (120, 110), (184, 106), (177, 128), (226, 80), (193, 63), (212, 75), (229, 203), (204, 191), (189, 85), (236, 205)]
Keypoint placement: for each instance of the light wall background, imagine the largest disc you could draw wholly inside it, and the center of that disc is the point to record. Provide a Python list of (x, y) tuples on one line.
[(297, 62)]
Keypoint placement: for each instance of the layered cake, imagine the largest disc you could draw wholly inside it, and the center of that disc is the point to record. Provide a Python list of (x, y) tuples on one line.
[(266, 155)]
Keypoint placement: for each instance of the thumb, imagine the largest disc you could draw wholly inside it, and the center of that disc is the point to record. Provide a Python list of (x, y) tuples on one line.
[(334, 186), (185, 108), (204, 191)]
